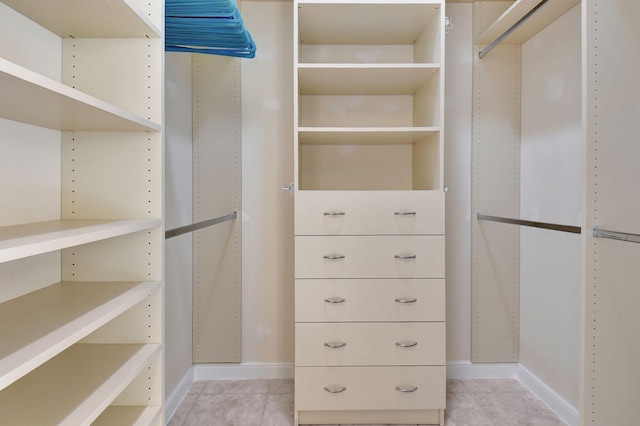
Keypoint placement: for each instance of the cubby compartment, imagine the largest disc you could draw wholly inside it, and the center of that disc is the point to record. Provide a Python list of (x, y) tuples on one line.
[(362, 32), (392, 162)]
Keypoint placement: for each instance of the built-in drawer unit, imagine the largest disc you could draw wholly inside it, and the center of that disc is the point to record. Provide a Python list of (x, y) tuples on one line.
[(370, 388), (369, 257), (369, 212), (353, 344), (362, 300)]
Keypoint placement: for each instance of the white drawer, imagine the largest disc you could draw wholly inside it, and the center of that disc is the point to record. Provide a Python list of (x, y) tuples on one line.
[(369, 212), (369, 257), (362, 300), (361, 344), (370, 388)]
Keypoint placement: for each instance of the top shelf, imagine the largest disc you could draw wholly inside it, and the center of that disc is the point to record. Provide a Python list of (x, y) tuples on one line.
[(88, 19), (546, 14), (385, 23)]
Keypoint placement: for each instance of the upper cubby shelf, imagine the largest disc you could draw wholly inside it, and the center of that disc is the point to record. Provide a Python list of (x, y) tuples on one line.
[(547, 12), (39, 325), (88, 19), (363, 23), (31, 98), (364, 135), (20, 241), (372, 79)]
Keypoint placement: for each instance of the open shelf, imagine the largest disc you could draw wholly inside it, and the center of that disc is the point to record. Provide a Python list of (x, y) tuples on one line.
[(38, 326), (76, 386), (128, 416), (31, 98), (21, 241), (364, 23), (88, 19), (363, 135), (373, 79), (547, 13)]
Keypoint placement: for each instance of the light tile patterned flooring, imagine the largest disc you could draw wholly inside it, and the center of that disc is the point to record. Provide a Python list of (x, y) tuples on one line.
[(479, 402)]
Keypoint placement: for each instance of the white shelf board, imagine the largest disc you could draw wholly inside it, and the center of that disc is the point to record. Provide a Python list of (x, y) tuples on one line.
[(363, 135), (38, 326), (128, 416), (88, 19), (20, 241), (75, 387), (363, 22), (29, 97), (370, 79), (547, 13)]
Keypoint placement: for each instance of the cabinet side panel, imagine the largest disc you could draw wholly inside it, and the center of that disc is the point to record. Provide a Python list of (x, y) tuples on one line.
[(496, 191), (610, 381), (217, 172), (125, 72)]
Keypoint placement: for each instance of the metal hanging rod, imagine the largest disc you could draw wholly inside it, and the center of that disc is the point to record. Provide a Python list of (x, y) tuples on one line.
[(511, 29), (543, 225), (195, 226), (614, 235)]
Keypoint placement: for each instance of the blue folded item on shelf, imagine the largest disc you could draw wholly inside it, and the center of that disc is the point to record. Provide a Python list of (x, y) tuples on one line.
[(207, 26)]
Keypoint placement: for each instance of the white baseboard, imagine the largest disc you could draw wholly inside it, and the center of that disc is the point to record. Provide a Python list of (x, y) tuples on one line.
[(175, 399), (245, 370), (562, 408)]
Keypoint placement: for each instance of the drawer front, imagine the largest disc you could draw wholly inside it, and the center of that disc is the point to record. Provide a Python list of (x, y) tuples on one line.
[(369, 257), (338, 300), (369, 212), (370, 388), (362, 344)]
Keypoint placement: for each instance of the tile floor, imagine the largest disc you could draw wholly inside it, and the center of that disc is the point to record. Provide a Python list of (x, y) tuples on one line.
[(480, 402)]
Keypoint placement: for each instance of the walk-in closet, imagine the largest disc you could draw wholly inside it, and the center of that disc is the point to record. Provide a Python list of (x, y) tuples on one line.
[(336, 212)]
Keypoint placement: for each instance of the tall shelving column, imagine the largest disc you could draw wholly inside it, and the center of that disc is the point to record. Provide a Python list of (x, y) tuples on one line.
[(369, 212), (81, 235)]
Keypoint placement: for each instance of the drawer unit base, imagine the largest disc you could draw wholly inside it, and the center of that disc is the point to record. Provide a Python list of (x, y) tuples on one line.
[(387, 417), (370, 388)]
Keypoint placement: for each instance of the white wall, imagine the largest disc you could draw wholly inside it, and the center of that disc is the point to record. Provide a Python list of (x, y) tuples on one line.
[(457, 176), (178, 212), (551, 156), (267, 163)]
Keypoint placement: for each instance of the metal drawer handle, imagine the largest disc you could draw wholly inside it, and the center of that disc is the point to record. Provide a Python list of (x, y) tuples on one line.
[(334, 213), (334, 256), (335, 389), (335, 300), (405, 213), (406, 390), (335, 345), (407, 344), (405, 256), (405, 301)]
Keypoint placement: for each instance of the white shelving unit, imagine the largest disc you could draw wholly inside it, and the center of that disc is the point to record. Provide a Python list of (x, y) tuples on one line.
[(81, 241), (369, 212)]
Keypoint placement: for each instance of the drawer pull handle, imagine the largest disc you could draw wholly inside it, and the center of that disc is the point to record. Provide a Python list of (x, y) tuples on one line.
[(334, 256), (407, 344), (405, 301), (333, 214), (407, 390), (335, 389), (405, 256), (335, 300), (335, 345), (405, 213)]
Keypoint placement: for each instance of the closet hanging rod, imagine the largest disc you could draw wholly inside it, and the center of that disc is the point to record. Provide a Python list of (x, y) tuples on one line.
[(511, 29), (195, 226), (543, 225), (614, 235)]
